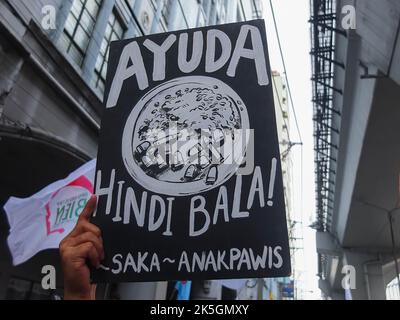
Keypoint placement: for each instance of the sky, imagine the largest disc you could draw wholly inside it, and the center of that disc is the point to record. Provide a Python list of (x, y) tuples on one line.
[(294, 31)]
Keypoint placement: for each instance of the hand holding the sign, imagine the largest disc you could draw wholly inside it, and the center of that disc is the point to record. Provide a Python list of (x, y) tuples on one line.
[(83, 244)]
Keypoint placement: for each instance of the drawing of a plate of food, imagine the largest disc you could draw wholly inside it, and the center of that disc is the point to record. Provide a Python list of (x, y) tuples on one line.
[(186, 136)]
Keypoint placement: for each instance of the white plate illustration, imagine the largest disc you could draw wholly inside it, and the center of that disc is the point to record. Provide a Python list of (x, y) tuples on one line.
[(202, 108)]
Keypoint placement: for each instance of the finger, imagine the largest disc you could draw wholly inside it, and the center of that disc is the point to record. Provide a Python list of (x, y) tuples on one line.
[(85, 226), (88, 237), (93, 291), (88, 251), (94, 257), (89, 208)]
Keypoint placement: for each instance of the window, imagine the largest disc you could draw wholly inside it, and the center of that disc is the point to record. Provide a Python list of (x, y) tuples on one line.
[(206, 6), (219, 20), (257, 9), (201, 19), (221, 12), (166, 11), (79, 28), (392, 290), (114, 31), (240, 12), (131, 3), (189, 11)]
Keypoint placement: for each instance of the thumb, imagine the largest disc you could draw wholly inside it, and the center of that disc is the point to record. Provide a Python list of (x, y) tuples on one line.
[(89, 208)]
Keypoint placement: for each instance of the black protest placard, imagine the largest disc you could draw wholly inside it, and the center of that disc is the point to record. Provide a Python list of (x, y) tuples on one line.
[(188, 171)]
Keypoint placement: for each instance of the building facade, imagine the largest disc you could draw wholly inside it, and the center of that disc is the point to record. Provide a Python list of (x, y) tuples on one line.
[(53, 62), (287, 288), (280, 288)]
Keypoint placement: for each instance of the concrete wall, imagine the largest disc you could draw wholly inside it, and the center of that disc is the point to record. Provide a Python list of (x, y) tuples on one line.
[(371, 44)]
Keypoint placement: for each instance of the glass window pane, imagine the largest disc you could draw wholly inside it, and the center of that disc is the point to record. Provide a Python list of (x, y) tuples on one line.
[(113, 37), (202, 20), (107, 34), (64, 41), (166, 10), (131, 3), (99, 63), (190, 10), (81, 38), (118, 29), (104, 71), (101, 85), (103, 47), (76, 8), (180, 22), (75, 55), (114, 31), (79, 25), (92, 7), (111, 20), (87, 22), (70, 25)]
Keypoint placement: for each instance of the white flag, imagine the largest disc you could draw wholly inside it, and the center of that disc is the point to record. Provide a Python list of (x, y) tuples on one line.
[(41, 221)]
